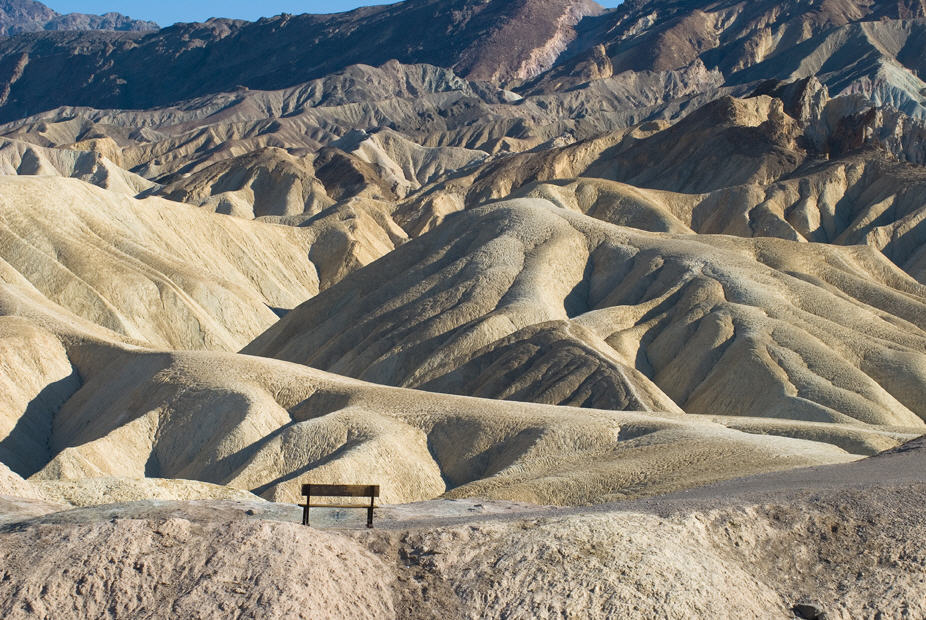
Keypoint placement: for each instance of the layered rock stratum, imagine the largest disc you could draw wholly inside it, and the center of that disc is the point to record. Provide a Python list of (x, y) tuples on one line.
[(625, 310)]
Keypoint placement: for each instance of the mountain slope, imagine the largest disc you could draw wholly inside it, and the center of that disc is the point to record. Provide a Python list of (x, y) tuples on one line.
[(167, 274), (647, 35), (262, 425), (482, 40), (17, 16), (103, 410), (680, 316), (554, 45)]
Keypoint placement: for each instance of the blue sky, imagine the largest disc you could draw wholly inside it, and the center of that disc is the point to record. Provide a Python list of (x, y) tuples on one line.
[(167, 12)]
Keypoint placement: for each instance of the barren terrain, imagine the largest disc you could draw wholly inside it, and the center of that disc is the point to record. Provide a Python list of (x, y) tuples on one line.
[(625, 311)]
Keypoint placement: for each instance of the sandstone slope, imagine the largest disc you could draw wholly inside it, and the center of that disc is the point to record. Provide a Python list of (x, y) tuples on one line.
[(522, 299), (168, 274), (264, 426), (82, 406), (758, 167)]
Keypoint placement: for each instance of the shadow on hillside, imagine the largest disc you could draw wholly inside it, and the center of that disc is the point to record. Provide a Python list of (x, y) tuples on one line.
[(27, 448)]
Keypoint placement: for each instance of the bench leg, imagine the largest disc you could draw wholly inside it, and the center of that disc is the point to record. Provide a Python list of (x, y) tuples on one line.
[(305, 514), (370, 516)]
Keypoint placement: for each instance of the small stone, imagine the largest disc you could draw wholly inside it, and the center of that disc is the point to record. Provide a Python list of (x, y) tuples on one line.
[(808, 611)]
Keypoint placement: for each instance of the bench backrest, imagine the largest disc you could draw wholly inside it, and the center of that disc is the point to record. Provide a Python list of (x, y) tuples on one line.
[(341, 490)]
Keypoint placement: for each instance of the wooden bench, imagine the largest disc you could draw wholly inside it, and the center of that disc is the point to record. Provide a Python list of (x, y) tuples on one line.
[(339, 490)]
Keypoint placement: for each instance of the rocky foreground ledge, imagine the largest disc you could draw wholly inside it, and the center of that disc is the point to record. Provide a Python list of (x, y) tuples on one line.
[(776, 545)]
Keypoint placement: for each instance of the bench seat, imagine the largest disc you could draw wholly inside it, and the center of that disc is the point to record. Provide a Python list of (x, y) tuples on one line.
[(339, 506), (339, 490)]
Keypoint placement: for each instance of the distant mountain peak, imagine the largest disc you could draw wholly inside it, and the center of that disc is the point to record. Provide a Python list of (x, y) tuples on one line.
[(17, 16)]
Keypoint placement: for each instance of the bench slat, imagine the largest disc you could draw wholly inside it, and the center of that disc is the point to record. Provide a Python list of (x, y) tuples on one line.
[(341, 490), (365, 506)]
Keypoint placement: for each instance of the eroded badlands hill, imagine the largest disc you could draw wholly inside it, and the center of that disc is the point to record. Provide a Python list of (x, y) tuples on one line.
[(660, 268), (163, 274), (544, 252), (530, 301), (472, 307)]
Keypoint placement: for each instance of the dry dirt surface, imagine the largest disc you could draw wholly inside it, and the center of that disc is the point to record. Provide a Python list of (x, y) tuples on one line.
[(755, 548)]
